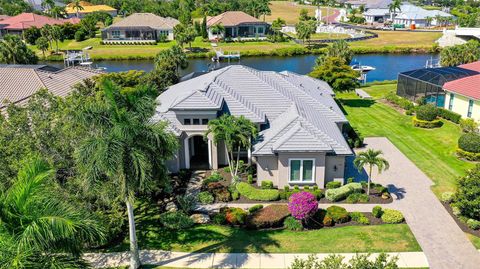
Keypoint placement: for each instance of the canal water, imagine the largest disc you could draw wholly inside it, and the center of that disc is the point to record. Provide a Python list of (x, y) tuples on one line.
[(387, 65)]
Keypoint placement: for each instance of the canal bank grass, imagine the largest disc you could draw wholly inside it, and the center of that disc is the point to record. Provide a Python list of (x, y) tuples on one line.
[(474, 239), (398, 41), (432, 150)]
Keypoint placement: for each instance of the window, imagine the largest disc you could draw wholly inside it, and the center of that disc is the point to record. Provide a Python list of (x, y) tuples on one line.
[(450, 102), (204, 121), (470, 108), (187, 122), (260, 30), (116, 34), (302, 170), (196, 121)]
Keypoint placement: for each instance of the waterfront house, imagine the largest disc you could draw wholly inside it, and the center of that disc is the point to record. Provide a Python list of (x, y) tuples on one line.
[(17, 24), (463, 95), (88, 8), (140, 27), (301, 140), (19, 82), (236, 24)]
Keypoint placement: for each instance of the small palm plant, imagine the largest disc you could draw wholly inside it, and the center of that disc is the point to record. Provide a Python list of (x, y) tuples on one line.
[(371, 158)]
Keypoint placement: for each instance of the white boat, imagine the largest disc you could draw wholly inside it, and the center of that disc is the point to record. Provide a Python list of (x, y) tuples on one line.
[(362, 68)]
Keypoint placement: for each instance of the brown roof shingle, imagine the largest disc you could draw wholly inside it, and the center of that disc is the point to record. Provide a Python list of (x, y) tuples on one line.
[(146, 20), (18, 84), (232, 18)]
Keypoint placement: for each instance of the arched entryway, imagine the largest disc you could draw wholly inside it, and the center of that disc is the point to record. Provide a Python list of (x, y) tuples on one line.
[(198, 152)]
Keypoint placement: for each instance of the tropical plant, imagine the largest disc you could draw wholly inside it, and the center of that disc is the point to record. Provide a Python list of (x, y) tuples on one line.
[(235, 132), (371, 158), (460, 54), (339, 49), (217, 29), (42, 44), (184, 34), (393, 7), (305, 29), (469, 125), (334, 261), (14, 51), (39, 226), (123, 147), (338, 74), (77, 6)]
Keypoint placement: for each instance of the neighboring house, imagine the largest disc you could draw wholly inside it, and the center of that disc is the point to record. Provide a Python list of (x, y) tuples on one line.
[(4, 17), (20, 82), (87, 9), (458, 36), (410, 14), (236, 24), (16, 24), (300, 142), (140, 27), (463, 95), (428, 83), (37, 4), (368, 4)]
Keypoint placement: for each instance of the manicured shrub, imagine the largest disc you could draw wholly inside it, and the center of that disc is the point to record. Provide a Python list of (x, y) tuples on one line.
[(327, 221), (271, 216), (426, 124), (469, 125), (249, 179), (252, 193), (449, 115), (359, 218), (227, 169), (427, 112), (302, 205), (357, 198), (286, 188), (235, 194), (292, 224), (377, 211), (306, 188), (235, 216), (447, 197), (267, 184), (392, 216), (399, 101), (255, 208), (80, 35), (187, 203), (333, 185), (205, 198), (342, 192), (296, 188), (469, 142), (214, 177), (473, 224), (219, 218), (175, 220), (222, 194), (338, 214), (315, 187), (467, 198), (469, 156)]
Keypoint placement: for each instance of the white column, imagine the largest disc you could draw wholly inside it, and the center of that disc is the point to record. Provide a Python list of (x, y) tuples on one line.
[(249, 152), (209, 153), (187, 152)]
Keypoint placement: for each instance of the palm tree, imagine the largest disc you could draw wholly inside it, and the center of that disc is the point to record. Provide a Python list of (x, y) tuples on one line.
[(236, 132), (124, 147), (371, 158), (58, 12), (47, 5), (393, 7), (77, 6), (14, 51), (39, 227), (217, 29)]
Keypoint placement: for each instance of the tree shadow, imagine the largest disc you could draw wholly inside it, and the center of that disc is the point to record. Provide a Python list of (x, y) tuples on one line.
[(357, 102), (352, 172), (398, 192)]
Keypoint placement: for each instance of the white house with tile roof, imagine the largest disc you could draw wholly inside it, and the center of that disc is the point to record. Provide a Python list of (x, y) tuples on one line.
[(300, 141)]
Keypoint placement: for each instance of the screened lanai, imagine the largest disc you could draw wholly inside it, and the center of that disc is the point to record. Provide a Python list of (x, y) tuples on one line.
[(428, 83)]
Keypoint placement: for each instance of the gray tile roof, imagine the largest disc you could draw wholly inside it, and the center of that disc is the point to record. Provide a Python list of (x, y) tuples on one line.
[(17, 84), (300, 111), (145, 20)]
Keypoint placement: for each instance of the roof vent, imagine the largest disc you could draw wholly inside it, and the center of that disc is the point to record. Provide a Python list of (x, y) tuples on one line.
[(49, 76), (331, 108), (301, 85)]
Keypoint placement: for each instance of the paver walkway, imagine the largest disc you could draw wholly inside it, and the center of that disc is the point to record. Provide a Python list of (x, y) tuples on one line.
[(443, 242), (230, 260)]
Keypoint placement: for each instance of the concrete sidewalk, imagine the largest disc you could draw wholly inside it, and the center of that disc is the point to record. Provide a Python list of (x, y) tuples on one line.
[(231, 260)]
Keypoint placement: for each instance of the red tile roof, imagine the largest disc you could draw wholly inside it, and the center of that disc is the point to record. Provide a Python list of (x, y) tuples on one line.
[(27, 20), (467, 86), (475, 66)]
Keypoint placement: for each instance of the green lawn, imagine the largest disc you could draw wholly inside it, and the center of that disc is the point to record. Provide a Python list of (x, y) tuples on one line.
[(212, 238), (475, 240), (433, 151), (398, 40)]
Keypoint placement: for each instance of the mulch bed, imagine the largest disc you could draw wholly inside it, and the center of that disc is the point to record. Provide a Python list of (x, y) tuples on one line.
[(460, 224), (316, 224)]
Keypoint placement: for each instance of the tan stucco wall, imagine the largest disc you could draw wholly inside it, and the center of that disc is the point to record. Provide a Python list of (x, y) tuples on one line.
[(460, 106), (267, 169)]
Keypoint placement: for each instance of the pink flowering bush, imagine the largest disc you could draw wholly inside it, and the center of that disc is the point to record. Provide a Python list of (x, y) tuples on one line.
[(302, 205)]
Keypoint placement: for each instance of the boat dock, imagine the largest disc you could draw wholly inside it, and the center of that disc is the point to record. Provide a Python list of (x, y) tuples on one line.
[(220, 55)]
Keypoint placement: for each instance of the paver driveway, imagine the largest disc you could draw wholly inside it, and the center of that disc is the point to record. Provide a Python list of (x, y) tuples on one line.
[(443, 242)]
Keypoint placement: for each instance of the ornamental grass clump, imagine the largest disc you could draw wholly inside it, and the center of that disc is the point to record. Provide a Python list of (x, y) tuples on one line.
[(302, 205)]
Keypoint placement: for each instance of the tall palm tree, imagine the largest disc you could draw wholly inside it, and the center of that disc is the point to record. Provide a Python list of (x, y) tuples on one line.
[(47, 5), (124, 147), (371, 158), (14, 51), (393, 7), (39, 227), (235, 132), (77, 6)]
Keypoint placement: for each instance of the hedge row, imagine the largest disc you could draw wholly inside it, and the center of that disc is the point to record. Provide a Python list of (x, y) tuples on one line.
[(449, 115), (470, 156), (469, 142), (426, 124), (252, 193), (342, 192), (399, 101)]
